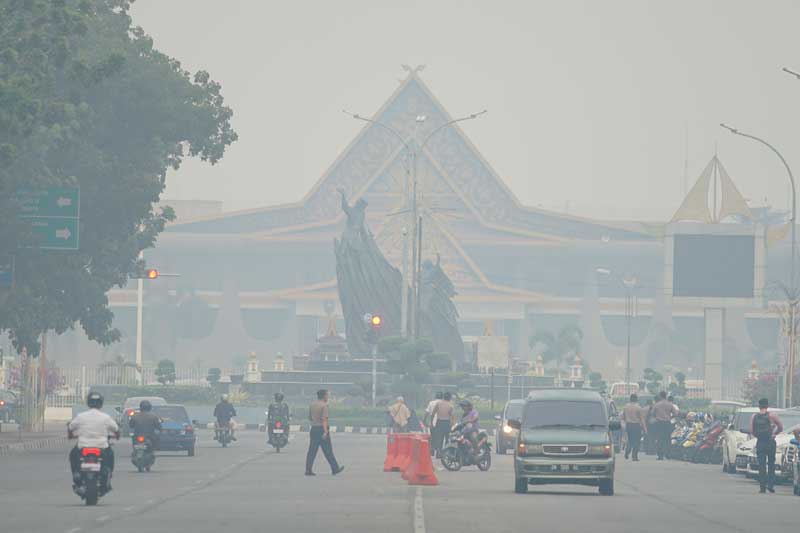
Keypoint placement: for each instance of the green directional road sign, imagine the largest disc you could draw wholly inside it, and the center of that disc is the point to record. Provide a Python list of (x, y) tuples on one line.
[(50, 202), (53, 214), (53, 233)]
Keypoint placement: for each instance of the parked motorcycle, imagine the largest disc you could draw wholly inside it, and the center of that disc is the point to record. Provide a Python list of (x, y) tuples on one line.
[(458, 451), (94, 476), (143, 456), (278, 428)]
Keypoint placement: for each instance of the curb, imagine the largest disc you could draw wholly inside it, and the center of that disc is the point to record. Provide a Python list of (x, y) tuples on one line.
[(363, 430), (37, 444)]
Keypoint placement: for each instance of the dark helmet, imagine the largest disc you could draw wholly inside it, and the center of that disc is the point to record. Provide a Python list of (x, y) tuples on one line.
[(465, 404), (634, 398), (145, 406), (278, 397), (95, 400), (763, 402)]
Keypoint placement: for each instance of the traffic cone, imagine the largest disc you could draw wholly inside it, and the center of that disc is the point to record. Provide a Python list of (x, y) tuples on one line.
[(391, 453), (408, 473), (423, 472)]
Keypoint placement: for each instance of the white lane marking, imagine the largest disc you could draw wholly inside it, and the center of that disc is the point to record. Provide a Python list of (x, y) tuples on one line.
[(129, 509), (419, 513), (102, 518), (74, 530)]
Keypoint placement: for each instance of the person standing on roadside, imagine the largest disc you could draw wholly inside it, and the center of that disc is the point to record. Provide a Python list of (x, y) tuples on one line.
[(320, 435), (430, 418), (445, 419), (663, 411), (764, 426), (635, 426), (399, 414)]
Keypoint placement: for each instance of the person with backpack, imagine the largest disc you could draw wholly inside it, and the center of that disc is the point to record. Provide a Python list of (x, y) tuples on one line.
[(764, 426)]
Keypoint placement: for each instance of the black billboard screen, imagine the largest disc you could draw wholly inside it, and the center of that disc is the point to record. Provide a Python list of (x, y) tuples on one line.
[(713, 266)]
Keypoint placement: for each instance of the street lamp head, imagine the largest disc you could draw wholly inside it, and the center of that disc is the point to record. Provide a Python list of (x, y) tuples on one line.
[(729, 128), (479, 113), (792, 72), (421, 118), (603, 271)]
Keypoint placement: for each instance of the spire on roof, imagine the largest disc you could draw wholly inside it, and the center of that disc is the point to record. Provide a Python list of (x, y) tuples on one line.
[(713, 197)]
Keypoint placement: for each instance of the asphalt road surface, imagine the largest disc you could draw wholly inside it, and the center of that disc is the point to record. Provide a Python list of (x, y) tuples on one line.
[(248, 488)]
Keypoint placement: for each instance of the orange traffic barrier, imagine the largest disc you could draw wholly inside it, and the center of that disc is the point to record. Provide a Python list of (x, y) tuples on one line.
[(391, 453), (404, 450), (412, 465), (422, 472)]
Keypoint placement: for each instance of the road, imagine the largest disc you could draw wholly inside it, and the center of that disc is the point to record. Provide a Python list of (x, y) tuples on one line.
[(246, 488)]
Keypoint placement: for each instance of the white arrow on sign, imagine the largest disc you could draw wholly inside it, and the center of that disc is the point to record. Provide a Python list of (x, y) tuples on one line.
[(63, 233), (64, 202)]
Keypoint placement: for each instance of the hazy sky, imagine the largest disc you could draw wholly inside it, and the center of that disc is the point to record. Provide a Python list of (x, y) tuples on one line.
[(588, 101)]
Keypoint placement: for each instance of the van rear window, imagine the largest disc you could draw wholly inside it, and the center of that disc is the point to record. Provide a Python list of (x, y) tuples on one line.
[(554, 413)]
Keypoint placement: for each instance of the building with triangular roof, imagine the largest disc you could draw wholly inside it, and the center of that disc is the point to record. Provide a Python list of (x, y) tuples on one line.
[(264, 279)]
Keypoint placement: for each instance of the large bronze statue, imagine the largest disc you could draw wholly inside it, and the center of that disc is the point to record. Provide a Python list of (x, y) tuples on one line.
[(438, 315), (368, 283)]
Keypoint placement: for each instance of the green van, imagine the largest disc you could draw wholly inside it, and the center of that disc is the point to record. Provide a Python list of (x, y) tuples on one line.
[(564, 439)]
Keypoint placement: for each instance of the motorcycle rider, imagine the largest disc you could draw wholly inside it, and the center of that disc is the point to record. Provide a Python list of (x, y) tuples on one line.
[(92, 429), (277, 409), (146, 423), (469, 425), (224, 413)]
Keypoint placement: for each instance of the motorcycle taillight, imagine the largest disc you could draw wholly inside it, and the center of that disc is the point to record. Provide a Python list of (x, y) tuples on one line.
[(278, 424), (90, 451)]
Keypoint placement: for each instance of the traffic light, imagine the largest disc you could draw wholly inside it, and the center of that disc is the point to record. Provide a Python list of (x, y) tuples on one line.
[(374, 323), (151, 273)]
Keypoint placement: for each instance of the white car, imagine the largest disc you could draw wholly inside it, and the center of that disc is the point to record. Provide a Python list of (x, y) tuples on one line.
[(790, 418)]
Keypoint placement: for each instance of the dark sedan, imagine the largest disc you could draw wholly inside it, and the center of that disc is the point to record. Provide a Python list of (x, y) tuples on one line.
[(177, 432), (506, 435)]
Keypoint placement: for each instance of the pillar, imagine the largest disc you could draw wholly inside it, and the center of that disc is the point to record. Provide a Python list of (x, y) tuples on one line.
[(715, 328)]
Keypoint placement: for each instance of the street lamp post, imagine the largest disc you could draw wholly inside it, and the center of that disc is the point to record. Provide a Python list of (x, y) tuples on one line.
[(629, 283), (792, 286), (410, 324)]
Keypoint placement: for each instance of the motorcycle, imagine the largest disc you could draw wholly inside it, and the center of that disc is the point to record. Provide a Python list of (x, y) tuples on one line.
[(143, 456), (94, 477), (278, 429), (458, 451), (223, 436)]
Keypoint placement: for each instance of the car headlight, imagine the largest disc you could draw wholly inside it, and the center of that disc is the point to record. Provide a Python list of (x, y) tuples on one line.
[(601, 450), (507, 429), (524, 449)]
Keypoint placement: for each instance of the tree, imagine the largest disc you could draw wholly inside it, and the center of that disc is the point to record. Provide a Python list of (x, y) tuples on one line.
[(214, 375), (88, 101), (555, 348), (596, 381), (409, 361), (652, 380), (165, 372)]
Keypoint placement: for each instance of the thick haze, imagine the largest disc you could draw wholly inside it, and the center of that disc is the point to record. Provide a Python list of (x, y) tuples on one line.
[(588, 101)]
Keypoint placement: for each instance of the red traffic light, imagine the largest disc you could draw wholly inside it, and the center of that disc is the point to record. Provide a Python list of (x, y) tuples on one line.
[(151, 273)]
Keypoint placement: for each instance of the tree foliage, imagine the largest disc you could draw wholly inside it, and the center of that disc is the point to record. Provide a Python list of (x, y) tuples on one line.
[(165, 372), (555, 348), (86, 100)]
